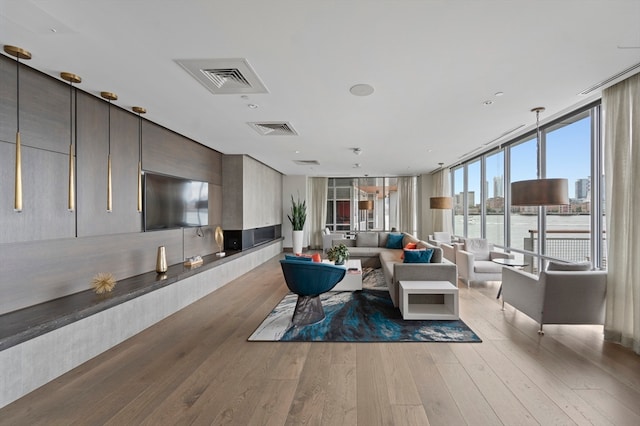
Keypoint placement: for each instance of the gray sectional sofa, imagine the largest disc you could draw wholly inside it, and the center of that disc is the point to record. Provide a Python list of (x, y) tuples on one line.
[(371, 249)]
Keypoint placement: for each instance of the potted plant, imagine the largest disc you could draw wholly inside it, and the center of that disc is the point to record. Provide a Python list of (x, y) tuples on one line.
[(338, 254), (297, 218)]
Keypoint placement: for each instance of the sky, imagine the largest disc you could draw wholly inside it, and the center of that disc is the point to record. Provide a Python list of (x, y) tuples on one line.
[(568, 156)]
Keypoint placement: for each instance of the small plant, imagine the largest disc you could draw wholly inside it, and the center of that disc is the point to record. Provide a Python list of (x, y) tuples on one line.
[(298, 214), (338, 254)]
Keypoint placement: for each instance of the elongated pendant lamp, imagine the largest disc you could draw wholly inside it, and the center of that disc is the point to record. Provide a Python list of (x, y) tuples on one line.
[(441, 203), (139, 110), (19, 53), (71, 202), (110, 97), (539, 192)]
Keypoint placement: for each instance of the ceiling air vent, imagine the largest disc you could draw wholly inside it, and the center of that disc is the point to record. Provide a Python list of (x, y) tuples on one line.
[(307, 162), (611, 79), (273, 128), (224, 76)]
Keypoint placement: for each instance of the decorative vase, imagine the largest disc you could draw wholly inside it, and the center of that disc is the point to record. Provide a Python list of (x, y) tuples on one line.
[(297, 242), (161, 260)]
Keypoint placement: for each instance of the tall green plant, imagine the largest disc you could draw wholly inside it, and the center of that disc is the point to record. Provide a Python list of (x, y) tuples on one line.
[(298, 214)]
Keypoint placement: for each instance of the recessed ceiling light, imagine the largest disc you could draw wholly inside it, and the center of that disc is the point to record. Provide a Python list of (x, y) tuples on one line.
[(499, 93), (252, 106), (361, 90), (487, 103)]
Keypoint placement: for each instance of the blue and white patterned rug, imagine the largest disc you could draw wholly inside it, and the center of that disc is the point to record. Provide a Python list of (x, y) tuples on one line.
[(359, 316)]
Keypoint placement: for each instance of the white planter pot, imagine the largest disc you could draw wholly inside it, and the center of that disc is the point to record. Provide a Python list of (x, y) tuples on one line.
[(297, 241)]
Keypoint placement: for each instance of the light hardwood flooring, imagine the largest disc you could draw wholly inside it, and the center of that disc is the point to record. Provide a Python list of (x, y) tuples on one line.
[(197, 367)]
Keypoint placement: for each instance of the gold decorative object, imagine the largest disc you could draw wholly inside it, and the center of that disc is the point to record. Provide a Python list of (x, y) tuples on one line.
[(71, 78), (139, 110), (219, 237), (103, 282), (110, 97), (161, 260), (539, 192), (19, 53)]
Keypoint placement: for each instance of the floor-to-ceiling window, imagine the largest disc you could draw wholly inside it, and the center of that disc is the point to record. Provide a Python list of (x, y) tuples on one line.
[(569, 148), (362, 204)]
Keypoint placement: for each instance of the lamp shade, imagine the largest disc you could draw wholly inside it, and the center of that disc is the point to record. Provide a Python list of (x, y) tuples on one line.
[(365, 205), (540, 192), (441, 202)]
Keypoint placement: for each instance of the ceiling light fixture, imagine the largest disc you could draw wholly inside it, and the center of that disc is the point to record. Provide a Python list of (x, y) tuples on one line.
[(19, 53), (139, 110), (361, 90), (71, 202), (110, 97), (539, 192), (357, 151)]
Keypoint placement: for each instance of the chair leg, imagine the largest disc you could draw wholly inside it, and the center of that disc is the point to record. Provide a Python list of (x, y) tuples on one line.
[(308, 311), (503, 304), (541, 332)]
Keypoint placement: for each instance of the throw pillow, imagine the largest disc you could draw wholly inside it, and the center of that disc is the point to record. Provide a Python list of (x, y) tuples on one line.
[(418, 256), (411, 246), (557, 266), (394, 241), (315, 257)]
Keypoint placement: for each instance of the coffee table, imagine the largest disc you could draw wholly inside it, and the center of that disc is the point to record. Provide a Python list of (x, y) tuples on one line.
[(428, 300), (514, 263), (352, 279)]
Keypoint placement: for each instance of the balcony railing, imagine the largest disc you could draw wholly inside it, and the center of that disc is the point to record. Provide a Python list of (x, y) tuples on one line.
[(570, 245)]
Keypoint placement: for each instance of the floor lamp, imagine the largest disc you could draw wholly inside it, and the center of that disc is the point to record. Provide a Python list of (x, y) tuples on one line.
[(368, 206)]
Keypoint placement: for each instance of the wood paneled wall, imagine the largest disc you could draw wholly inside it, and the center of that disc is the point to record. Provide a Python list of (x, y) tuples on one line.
[(46, 251)]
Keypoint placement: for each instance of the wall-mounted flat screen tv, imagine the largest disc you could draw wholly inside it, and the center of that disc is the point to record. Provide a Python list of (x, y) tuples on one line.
[(172, 202)]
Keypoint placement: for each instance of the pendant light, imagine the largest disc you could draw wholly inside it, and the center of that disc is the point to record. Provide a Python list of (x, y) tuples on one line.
[(139, 110), (19, 53), (441, 203), (539, 192), (71, 202), (110, 97)]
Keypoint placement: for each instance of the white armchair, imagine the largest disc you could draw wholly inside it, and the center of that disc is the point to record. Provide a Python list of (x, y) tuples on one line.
[(474, 258), (328, 237), (557, 296)]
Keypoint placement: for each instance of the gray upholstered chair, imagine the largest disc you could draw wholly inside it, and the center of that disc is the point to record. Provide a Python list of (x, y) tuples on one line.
[(328, 237), (559, 295), (474, 258)]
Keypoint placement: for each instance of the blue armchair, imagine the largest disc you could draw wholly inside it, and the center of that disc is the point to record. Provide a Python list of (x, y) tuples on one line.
[(308, 280)]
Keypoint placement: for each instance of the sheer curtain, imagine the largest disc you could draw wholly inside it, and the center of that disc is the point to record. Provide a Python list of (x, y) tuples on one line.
[(317, 208), (621, 104), (407, 204), (441, 218)]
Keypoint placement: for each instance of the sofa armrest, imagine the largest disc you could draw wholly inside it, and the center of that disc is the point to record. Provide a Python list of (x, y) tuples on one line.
[(523, 291), (327, 240), (494, 254)]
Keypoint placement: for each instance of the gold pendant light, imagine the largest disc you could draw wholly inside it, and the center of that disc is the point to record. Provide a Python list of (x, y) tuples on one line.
[(110, 97), (139, 110), (19, 53), (539, 192), (71, 202)]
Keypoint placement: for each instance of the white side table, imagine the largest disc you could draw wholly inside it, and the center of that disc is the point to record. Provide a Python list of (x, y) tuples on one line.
[(428, 300), (352, 279)]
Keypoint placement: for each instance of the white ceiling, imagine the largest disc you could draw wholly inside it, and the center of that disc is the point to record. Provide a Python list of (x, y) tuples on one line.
[(432, 64)]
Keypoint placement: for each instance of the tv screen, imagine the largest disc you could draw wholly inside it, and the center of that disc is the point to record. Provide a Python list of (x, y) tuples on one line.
[(171, 202)]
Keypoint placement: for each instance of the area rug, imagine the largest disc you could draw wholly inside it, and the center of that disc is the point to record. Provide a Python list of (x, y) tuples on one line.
[(359, 316)]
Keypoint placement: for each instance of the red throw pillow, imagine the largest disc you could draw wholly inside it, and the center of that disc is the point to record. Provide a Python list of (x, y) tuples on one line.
[(316, 257), (409, 246)]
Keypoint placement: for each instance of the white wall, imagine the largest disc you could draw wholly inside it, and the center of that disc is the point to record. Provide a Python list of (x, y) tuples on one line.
[(296, 186)]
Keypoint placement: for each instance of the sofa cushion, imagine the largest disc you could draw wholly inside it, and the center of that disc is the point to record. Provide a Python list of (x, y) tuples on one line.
[(382, 239), (480, 247), (367, 239), (418, 256), (557, 266), (394, 241), (346, 242)]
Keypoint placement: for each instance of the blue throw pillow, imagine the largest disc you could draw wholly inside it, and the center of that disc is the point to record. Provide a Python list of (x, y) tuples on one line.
[(394, 241), (418, 256), (302, 258)]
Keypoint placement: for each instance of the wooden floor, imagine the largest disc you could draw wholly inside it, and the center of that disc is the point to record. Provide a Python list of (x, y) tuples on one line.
[(196, 367)]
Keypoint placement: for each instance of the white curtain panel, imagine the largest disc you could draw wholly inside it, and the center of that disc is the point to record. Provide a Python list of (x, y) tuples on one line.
[(317, 210), (407, 204), (621, 104), (440, 218)]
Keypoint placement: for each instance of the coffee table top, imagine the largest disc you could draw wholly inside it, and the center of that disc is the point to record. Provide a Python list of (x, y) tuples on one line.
[(426, 285), (510, 262)]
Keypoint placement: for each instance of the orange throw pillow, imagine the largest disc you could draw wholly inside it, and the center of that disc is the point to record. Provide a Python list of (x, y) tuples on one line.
[(316, 257)]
